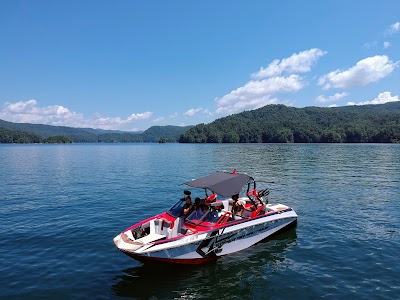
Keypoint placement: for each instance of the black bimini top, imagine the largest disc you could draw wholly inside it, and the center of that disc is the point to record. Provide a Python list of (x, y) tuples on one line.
[(221, 183)]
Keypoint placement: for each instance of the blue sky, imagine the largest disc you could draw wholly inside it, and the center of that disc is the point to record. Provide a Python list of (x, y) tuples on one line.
[(130, 65)]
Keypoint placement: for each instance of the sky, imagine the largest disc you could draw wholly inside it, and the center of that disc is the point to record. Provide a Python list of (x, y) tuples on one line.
[(129, 65)]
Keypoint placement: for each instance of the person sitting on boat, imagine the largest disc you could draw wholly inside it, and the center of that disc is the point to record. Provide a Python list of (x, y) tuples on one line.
[(237, 207), (200, 209), (196, 205), (187, 207)]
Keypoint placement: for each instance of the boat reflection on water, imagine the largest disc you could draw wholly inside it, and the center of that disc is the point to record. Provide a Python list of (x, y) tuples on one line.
[(239, 275)]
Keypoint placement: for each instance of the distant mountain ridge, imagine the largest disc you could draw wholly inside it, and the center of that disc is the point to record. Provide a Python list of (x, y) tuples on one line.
[(281, 124), (49, 130), (88, 135)]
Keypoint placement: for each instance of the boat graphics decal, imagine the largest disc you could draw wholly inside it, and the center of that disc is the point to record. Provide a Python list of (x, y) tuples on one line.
[(220, 239), (214, 243)]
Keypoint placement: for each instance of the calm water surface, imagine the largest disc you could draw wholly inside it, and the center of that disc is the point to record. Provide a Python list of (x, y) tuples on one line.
[(61, 206)]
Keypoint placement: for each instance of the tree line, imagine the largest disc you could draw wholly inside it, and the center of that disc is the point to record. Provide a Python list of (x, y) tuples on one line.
[(9, 136), (39, 133), (282, 124)]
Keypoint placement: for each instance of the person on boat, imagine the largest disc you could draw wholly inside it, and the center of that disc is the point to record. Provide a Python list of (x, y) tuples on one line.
[(188, 206), (196, 205), (237, 207), (200, 208), (186, 193)]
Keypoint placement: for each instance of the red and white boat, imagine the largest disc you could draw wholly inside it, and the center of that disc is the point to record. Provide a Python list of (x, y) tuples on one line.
[(211, 229)]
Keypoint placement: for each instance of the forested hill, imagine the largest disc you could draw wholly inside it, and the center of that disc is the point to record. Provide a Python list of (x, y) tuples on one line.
[(282, 124), (37, 133)]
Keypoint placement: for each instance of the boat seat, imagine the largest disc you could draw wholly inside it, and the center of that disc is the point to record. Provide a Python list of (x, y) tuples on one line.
[(247, 212), (152, 225), (176, 229), (155, 226), (258, 211), (165, 226), (159, 226)]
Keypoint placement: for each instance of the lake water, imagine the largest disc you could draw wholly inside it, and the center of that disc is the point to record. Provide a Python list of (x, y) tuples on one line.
[(62, 205)]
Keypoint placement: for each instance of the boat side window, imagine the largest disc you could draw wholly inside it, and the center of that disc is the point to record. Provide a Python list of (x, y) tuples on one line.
[(176, 209)]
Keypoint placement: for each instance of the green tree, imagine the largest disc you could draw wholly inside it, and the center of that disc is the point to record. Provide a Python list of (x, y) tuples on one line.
[(330, 136)]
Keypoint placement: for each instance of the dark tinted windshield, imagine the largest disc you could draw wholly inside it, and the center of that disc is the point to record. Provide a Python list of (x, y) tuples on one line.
[(176, 210)]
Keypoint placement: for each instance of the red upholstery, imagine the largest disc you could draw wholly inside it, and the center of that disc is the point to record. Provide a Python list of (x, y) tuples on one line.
[(257, 211)]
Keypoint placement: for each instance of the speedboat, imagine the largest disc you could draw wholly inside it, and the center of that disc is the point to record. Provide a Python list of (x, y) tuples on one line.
[(212, 227)]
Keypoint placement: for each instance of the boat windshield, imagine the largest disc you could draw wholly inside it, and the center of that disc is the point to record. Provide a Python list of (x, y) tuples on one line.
[(176, 209), (203, 217)]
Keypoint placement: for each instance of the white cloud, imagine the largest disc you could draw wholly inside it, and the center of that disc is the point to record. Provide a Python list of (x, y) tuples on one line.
[(386, 45), (394, 28), (335, 97), (297, 63), (158, 120), (255, 94), (28, 108), (368, 70), (382, 98), (164, 118), (120, 121), (333, 105), (193, 111), (29, 112), (173, 116)]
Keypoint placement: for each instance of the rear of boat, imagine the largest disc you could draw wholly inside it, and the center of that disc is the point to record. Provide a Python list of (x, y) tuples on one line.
[(154, 229), (173, 245)]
